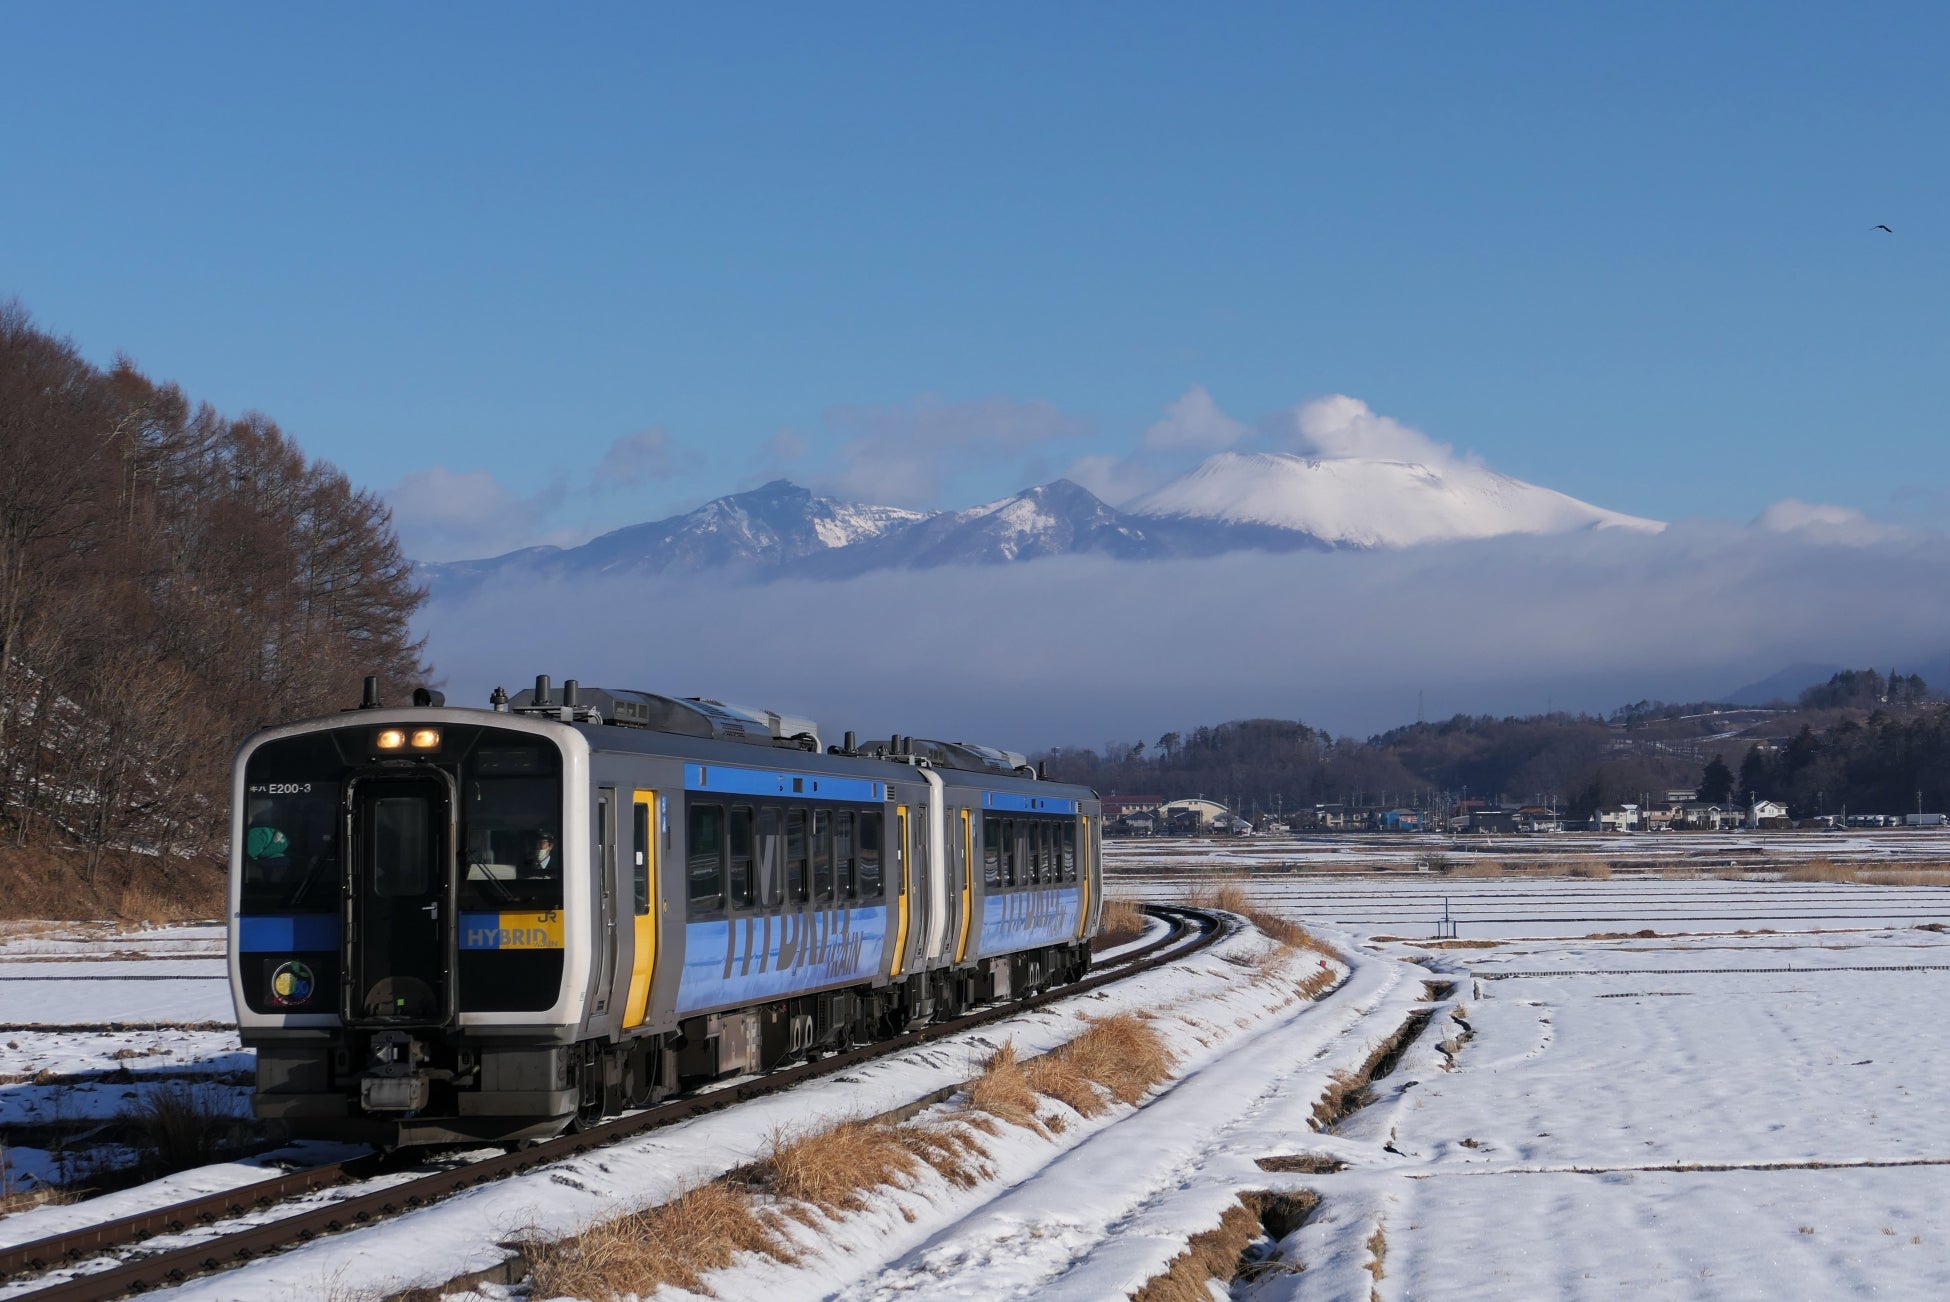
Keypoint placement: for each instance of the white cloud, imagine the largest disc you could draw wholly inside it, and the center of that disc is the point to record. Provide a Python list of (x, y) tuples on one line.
[(443, 514), (1115, 479), (1593, 620), (901, 455), (1840, 524), (1192, 427), (640, 458), (1338, 426), (1194, 423)]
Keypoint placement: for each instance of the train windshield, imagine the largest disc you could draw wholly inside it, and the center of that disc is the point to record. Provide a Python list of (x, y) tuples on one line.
[(510, 787), (511, 816), (291, 826)]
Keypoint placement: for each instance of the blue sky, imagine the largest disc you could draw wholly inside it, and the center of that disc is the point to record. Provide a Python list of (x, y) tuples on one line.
[(484, 251)]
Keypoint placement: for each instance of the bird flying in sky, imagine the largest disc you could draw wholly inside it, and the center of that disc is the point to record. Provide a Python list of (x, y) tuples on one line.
[(1884, 228)]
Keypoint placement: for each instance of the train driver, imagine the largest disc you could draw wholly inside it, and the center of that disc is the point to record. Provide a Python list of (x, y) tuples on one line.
[(541, 859)]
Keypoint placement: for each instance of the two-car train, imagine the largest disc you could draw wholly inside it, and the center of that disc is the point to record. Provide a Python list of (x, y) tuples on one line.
[(457, 924)]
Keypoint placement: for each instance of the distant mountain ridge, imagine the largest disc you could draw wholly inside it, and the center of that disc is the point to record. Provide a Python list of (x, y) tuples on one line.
[(1231, 502)]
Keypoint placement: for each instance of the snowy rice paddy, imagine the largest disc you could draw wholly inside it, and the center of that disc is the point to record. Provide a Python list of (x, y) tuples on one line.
[(1644, 1086), (93, 1019), (1746, 1101)]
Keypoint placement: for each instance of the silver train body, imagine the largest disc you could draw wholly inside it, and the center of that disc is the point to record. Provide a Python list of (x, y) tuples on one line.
[(716, 895)]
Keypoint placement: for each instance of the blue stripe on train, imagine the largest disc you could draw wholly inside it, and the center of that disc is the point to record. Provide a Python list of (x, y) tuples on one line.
[(1028, 804), (771, 782), (290, 933)]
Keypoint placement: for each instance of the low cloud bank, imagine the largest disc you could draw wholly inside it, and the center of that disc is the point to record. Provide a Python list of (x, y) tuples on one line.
[(1076, 651)]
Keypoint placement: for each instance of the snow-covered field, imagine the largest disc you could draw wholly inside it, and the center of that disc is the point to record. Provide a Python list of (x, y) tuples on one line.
[(1621, 851), (92, 1020), (1747, 1103), (1638, 1086)]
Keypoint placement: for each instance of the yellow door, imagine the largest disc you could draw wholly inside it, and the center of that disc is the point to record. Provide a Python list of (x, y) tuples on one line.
[(899, 876), (648, 823), (967, 882), (1083, 878)]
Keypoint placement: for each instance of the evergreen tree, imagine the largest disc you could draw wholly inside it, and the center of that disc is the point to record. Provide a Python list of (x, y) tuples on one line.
[(1716, 783)]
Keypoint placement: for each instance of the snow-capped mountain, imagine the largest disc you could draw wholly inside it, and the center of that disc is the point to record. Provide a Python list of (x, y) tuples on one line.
[(1231, 502), (766, 528), (1353, 502), (1057, 519)]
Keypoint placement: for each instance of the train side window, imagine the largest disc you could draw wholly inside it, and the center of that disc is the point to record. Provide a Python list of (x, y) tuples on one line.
[(822, 855), (846, 869), (992, 853), (1046, 854), (640, 866), (795, 854), (1009, 852), (771, 858), (738, 853), (704, 846), (1069, 852), (870, 882)]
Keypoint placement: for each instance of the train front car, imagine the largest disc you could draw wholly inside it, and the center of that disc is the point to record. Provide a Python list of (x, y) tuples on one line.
[(399, 957)]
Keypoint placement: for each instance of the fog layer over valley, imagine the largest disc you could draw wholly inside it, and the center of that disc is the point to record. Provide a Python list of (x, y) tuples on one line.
[(1061, 651)]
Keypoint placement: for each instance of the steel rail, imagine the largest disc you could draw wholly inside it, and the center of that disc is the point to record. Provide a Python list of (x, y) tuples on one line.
[(173, 1266)]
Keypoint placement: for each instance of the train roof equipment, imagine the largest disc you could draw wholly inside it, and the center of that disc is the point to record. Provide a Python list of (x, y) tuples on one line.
[(688, 716)]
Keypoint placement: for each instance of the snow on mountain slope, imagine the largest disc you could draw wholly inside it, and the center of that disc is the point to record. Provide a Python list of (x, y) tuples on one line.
[(1360, 502), (776, 523), (1055, 519)]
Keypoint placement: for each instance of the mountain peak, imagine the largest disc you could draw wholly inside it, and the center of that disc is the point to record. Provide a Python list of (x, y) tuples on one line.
[(1358, 502)]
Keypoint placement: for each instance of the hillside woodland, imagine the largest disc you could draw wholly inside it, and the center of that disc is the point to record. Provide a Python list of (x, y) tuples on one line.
[(1862, 741), (170, 578)]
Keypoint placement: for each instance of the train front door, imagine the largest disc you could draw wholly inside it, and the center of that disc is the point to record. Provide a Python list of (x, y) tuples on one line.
[(399, 933)]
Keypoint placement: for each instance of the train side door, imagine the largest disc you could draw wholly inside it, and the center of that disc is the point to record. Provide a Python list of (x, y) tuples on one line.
[(400, 902), (602, 852), (964, 836), (897, 884), (646, 822)]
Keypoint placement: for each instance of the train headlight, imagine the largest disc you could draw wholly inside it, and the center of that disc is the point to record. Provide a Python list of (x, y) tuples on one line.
[(426, 739), (390, 739)]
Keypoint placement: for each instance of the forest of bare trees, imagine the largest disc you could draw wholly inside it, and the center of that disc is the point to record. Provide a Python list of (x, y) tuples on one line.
[(169, 579), (1258, 765), (1861, 742)]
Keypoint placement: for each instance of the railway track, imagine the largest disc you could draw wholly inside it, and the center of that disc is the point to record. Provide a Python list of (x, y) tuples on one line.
[(1190, 931)]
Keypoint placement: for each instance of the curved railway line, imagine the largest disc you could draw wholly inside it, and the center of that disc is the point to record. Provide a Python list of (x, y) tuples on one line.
[(1190, 931)]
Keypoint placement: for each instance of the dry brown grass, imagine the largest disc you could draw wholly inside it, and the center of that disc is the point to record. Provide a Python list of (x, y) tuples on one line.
[(676, 1244), (1478, 868), (1929, 875), (52, 883), (831, 1172), (1336, 1100), (21, 1195), (1317, 982), (1378, 1254), (1221, 1254), (1594, 869), (1003, 1090), (1821, 870), (834, 1169), (1212, 1255), (181, 1125), (1122, 923), (1233, 899), (1122, 1054)]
